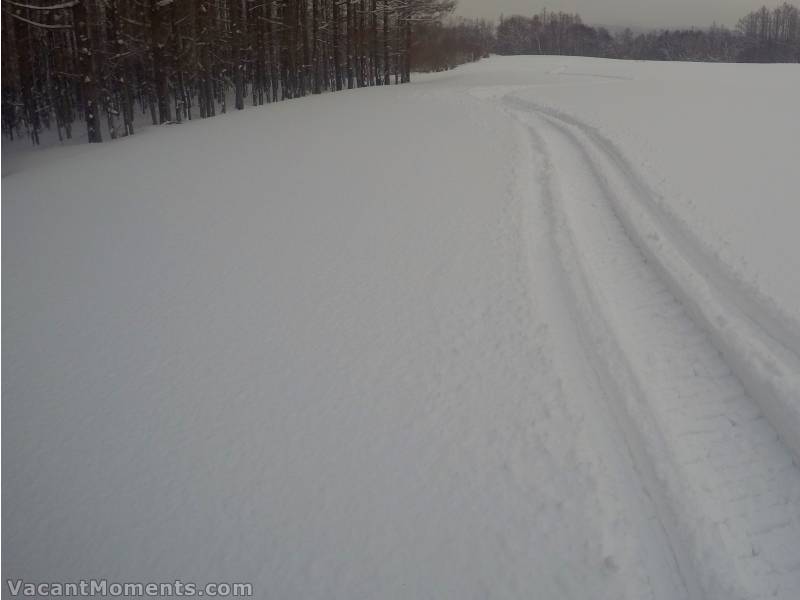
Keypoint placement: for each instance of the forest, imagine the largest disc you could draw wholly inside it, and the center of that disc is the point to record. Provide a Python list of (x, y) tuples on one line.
[(766, 35), (67, 61), (102, 63)]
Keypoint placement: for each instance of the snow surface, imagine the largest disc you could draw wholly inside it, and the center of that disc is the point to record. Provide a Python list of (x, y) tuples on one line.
[(524, 329)]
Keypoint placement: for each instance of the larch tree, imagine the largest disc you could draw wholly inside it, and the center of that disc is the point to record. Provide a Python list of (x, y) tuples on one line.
[(106, 61)]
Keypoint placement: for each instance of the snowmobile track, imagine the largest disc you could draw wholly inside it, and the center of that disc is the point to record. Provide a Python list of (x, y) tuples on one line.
[(726, 484)]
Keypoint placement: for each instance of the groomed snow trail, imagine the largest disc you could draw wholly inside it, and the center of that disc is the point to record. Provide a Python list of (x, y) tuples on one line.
[(727, 487)]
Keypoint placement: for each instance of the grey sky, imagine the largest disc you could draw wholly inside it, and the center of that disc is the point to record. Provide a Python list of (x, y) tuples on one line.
[(644, 13)]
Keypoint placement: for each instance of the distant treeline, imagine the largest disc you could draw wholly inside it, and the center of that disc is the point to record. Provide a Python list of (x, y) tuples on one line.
[(442, 45), (103, 62), (762, 36), (765, 35)]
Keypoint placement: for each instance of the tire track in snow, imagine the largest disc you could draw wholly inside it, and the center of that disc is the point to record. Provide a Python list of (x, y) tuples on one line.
[(727, 488)]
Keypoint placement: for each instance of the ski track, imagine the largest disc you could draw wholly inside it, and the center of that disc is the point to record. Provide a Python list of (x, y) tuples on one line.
[(725, 484)]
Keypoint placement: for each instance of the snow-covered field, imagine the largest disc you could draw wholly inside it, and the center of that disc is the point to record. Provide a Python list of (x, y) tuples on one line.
[(526, 329)]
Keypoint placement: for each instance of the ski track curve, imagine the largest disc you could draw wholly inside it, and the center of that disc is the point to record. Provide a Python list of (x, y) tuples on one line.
[(759, 341), (705, 410)]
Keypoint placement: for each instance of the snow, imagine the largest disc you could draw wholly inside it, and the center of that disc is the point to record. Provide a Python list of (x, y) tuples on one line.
[(524, 329), (716, 143)]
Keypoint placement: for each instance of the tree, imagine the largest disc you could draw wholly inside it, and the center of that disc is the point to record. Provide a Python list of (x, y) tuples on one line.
[(64, 59), (85, 16)]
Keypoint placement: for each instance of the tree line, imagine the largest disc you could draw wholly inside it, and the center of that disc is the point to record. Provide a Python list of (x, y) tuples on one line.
[(550, 33), (442, 45), (103, 62), (765, 35)]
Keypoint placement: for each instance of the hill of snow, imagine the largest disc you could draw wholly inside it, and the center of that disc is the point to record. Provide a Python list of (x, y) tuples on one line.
[(524, 329)]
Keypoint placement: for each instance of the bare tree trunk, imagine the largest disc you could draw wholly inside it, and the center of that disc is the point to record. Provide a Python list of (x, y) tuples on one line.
[(302, 18), (373, 70), (260, 72), (351, 20), (22, 35), (315, 59), (337, 63), (362, 53), (273, 40), (237, 51), (406, 76), (387, 76), (175, 47), (90, 92), (160, 79)]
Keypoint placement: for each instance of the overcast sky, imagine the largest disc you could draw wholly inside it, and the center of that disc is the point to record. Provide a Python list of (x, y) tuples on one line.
[(642, 13)]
